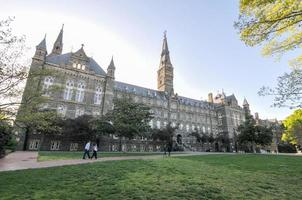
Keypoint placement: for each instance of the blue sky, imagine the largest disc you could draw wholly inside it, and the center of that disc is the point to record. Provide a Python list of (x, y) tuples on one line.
[(205, 49)]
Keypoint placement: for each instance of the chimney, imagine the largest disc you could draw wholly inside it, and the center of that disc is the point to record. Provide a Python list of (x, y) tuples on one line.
[(210, 98)]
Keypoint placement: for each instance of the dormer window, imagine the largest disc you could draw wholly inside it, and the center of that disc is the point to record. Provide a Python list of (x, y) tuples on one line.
[(79, 66), (74, 65), (83, 67)]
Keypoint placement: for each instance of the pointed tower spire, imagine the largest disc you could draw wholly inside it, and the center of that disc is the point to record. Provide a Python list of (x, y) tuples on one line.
[(165, 54), (246, 107), (111, 69), (58, 45), (165, 71), (245, 103), (41, 50), (42, 44)]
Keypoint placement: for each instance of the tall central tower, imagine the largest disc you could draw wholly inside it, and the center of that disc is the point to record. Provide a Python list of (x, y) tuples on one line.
[(165, 71)]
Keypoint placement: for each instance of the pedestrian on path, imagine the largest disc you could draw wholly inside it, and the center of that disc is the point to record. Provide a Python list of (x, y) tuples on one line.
[(95, 150), (86, 150)]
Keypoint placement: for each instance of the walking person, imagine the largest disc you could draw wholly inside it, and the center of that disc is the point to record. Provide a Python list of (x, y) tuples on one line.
[(95, 150), (86, 150)]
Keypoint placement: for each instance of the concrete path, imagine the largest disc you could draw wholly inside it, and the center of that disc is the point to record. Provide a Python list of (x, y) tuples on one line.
[(28, 160)]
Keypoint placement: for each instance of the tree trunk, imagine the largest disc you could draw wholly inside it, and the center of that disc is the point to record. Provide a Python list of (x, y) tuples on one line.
[(120, 144), (25, 138), (41, 141)]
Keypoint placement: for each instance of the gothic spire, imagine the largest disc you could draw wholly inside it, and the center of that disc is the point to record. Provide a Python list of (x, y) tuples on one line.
[(165, 55), (245, 103), (111, 69), (58, 45), (111, 65), (42, 44)]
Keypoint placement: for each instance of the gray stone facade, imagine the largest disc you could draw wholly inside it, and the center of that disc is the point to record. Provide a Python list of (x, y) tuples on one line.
[(88, 89)]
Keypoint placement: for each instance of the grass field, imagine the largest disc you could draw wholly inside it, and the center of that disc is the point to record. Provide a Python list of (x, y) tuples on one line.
[(67, 155), (195, 177)]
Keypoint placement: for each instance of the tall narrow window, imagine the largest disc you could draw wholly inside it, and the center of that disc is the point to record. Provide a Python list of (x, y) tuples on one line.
[(68, 90), (80, 92), (98, 95), (158, 124), (79, 112), (48, 82), (62, 110)]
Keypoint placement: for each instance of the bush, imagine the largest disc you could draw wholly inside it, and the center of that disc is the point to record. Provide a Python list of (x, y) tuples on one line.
[(286, 148), (6, 139)]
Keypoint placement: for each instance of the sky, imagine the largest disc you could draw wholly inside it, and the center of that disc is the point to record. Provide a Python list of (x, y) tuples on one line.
[(205, 48)]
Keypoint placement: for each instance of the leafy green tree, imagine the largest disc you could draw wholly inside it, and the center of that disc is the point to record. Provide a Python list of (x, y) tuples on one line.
[(5, 136), (79, 128), (264, 135), (293, 128), (165, 135), (277, 25), (251, 134), (129, 119)]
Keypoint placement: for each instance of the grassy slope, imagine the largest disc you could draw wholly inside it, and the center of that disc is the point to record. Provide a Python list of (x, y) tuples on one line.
[(196, 177), (67, 155)]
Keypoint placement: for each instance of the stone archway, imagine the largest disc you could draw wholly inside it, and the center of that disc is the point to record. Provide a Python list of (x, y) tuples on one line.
[(179, 139)]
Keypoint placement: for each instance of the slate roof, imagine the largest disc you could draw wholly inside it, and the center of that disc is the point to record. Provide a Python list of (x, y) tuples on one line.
[(42, 44), (129, 88), (65, 58)]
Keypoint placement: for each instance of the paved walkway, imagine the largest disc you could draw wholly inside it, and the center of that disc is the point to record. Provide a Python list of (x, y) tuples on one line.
[(28, 160)]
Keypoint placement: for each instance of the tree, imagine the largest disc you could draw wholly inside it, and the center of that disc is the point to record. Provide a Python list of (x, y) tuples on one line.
[(5, 136), (274, 22), (293, 128), (129, 119), (165, 135), (277, 25), (288, 92), (251, 134), (79, 128), (12, 73)]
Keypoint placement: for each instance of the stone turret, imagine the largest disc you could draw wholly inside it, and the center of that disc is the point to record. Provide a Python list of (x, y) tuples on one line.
[(111, 69), (58, 45), (41, 51), (165, 71), (246, 107)]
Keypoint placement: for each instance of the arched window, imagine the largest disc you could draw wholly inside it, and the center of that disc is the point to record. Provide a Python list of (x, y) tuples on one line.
[(62, 110), (79, 111), (158, 124), (48, 82), (80, 92), (203, 129), (98, 95), (151, 123), (68, 90), (181, 126)]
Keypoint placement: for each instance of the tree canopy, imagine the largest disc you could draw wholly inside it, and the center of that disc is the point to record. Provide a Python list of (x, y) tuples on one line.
[(251, 133), (129, 119), (13, 71), (277, 23), (293, 128)]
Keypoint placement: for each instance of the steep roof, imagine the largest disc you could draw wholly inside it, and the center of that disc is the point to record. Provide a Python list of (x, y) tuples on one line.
[(134, 89), (65, 58)]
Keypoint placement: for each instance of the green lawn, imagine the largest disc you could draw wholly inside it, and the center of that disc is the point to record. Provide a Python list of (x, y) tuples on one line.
[(195, 177), (67, 155)]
